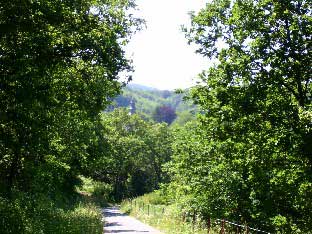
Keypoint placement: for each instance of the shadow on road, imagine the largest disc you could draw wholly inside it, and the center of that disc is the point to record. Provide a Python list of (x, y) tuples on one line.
[(117, 222)]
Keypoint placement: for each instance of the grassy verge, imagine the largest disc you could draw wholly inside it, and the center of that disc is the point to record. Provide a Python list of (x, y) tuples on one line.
[(164, 217), (37, 214)]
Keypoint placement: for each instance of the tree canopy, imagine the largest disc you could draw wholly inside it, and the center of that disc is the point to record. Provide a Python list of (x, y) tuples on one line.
[(253, 143), (137, 149), (59, 64)]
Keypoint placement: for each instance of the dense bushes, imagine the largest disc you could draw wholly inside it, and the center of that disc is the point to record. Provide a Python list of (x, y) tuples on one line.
[(33, 214)]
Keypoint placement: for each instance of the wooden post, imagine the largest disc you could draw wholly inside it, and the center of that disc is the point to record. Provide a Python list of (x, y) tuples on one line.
[(148, 207), (222, 227), (194, 220), (246, 228), (163, 210), (208, 225), (143, 206)]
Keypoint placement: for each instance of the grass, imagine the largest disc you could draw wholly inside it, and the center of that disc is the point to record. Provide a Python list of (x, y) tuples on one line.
[(94, 191), (159, 214), (37, 214)]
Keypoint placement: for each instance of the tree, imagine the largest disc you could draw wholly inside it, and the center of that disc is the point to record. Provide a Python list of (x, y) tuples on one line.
[(137, 149), (183, 117), (254, 161), (164, 114), (59, 64)]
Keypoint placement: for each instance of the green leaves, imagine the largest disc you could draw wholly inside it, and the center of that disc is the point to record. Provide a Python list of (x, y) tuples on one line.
[(246, 157), (136, 152), (59, 66)]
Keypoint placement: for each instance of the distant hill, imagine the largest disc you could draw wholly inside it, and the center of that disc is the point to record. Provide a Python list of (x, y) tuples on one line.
[(144, 101), (140, 87)]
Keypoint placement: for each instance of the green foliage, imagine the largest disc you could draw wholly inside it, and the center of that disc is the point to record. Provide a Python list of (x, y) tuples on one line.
[(26, 214), (97, 191), (137, 149), (157, 197), (165, 217), (12, 217), (59, 66), (164, 114), (248, 158), (183, 117), (146, 101)]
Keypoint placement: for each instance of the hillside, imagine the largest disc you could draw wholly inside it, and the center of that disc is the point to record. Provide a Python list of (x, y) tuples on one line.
[(144, 101)]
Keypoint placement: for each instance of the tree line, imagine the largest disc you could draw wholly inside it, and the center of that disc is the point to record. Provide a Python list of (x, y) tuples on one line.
[(247, 157)]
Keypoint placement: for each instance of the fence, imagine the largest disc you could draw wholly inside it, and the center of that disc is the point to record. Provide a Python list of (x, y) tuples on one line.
[(223, 226)]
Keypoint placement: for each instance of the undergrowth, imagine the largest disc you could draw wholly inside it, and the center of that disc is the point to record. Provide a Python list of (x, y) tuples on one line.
[(38, 214), (155, 210)]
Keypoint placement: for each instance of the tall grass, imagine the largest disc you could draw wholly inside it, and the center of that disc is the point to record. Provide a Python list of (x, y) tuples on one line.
[(38, 214), (165, 217)]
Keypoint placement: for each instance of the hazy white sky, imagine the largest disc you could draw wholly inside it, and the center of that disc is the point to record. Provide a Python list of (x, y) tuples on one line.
[(161, 56)]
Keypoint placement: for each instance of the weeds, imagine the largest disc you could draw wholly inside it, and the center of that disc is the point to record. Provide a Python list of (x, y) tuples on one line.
[(154, 210), (38, 214)]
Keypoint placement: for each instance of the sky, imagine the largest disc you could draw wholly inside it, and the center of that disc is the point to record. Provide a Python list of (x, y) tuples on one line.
[(160, 53)]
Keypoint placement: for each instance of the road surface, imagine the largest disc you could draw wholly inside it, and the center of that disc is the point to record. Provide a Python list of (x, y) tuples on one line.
[(117, 222)]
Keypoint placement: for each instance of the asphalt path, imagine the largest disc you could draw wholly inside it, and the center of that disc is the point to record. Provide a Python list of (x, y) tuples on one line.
[(117, 222)]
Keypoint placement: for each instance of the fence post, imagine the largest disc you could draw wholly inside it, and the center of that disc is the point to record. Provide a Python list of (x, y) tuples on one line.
[(143, 206), (222, 227), (237, 230), (208, 225), (246, 228), (148, 207), (163, 210), (194, 220)]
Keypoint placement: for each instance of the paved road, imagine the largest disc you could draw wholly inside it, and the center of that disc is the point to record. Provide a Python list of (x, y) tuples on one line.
[(116, 222)]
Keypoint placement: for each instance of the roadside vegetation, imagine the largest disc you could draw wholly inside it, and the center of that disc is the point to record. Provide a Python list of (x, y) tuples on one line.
[(74, 213), (246, 157), (155, 210)]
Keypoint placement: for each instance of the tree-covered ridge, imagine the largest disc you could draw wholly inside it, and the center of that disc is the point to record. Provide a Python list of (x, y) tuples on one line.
[(146, 100)]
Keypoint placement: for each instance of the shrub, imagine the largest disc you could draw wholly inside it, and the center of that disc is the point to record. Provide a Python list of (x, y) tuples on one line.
[(37, 215)]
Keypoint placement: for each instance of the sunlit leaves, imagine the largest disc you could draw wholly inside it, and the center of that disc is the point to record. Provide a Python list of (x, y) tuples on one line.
[(59, 65), (252, 121)]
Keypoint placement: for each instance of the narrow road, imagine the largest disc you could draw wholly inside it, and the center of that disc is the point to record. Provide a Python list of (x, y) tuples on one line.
[(117, 222)]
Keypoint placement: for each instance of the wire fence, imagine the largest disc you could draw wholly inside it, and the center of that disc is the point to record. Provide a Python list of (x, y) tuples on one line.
[(222, 226)]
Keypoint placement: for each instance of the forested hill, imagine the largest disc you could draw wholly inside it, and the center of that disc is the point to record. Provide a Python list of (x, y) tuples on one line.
[(149, 101)]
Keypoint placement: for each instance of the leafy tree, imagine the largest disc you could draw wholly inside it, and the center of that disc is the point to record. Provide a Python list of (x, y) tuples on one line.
[(136, 151), (254, 156), (183, 117), (164, 114), (59, 64), (166, 94)]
